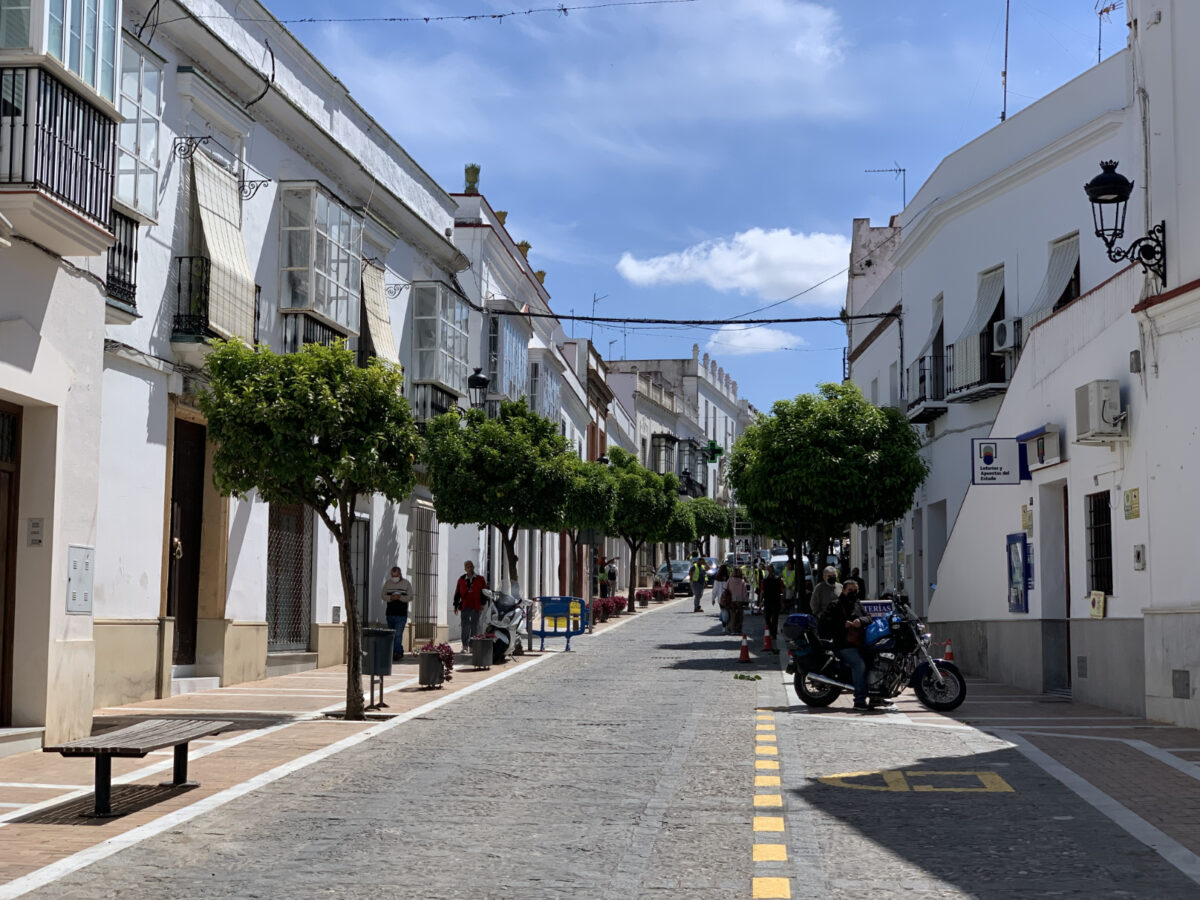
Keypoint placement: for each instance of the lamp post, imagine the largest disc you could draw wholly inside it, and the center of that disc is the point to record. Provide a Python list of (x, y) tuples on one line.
[(477, 385), (1109, 195)]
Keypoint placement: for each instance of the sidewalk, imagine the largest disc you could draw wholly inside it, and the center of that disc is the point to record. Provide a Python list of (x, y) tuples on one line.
[(280, 725)]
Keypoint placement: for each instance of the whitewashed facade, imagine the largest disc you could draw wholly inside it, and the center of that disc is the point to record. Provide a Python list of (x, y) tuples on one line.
[(1100, 513)]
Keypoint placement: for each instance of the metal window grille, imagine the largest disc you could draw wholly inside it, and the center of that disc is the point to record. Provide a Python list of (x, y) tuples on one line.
[(423, 527), (300, 329), (289, 577), (360, 565), (121, 280), (191, 305), (8, 437), (1099, 542)]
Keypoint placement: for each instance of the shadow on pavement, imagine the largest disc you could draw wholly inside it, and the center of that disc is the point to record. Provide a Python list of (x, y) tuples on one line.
[(126, 799), (992, 824)]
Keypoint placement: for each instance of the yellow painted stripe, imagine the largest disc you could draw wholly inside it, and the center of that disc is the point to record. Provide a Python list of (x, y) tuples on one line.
[(766, 738), (772, 889), (762, 727), (766, 751), (765, 717), (768, 800), (766, 764), (766, 781), (768, 823), (770, 852)]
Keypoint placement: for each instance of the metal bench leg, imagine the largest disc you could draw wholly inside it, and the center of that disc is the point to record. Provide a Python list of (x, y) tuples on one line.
[(179, 776), (103, 787)]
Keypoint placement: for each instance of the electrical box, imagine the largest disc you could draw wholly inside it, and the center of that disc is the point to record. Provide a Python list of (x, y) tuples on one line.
[(1139, 557), (1098, 411), (81, 564)]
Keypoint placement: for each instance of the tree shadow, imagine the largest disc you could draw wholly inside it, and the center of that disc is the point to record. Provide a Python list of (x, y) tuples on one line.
[(993, 824)]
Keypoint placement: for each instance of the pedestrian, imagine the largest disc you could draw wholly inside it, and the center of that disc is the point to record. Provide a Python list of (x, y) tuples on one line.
[(844, 622), (612, 577), (396, 591), (739, 597), (772, 603), (789, 583), (468, 601), (602, 577), (718, 588), (697, 574), (857, 579), (822, 595)]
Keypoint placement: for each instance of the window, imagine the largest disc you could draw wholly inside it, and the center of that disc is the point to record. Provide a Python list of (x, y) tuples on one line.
[(320, 257), (14, 23), (545, 390), (122, 260), (83, 37), (1071, 291), (137, 136), (440, 336), (508, 358), (663, 449), (303, 329), (1099, 542)]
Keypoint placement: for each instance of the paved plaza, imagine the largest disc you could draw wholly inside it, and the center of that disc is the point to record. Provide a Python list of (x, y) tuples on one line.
[(638, 765)]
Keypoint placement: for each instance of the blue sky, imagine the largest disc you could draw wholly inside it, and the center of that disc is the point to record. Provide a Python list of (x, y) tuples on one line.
[(700, 159)]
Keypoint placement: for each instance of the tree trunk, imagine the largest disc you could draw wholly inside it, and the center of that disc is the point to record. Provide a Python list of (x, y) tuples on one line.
[(631, 601), (510, 583), (354, 692)]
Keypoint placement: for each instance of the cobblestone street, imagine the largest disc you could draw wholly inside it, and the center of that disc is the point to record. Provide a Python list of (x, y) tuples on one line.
[(639, 766)]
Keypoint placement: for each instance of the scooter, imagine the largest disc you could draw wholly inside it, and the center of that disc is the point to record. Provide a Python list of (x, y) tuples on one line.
[(503, 616)]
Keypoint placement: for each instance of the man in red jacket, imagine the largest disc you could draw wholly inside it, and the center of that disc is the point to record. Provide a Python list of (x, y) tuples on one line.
[(468, 602)]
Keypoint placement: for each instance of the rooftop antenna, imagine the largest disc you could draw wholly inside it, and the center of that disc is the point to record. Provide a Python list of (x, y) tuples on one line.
[(901, 173), (1104, 13), (1004, 73), (595, 300)]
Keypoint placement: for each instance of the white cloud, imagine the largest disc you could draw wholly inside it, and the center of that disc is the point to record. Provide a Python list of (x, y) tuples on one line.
[(742, 340), (772, 264)]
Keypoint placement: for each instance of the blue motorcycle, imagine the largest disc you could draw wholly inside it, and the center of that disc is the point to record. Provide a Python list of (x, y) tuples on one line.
[(896, 648)]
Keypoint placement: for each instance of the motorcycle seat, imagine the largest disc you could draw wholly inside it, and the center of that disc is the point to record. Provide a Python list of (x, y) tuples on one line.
[(506, 605)]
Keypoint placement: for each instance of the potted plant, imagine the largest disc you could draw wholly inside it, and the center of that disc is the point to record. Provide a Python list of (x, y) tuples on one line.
[(435, 661), (481, 650)]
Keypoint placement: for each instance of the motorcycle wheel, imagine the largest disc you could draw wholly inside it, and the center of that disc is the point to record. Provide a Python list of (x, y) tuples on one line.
[(814, 693), (945, 696), (519, 650), (498, 650)]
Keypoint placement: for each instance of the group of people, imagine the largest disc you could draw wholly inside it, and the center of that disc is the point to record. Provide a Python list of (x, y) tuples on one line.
[(468, 604), (734, 589)]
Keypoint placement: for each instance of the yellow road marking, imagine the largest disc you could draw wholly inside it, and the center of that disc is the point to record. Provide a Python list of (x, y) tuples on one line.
[(768, 800), (770, 852), (768, 823), (765, 717), (989, 782), (766, 764), (766, 751), (766, 781), (772, 889), (764, 727), (766, 738)]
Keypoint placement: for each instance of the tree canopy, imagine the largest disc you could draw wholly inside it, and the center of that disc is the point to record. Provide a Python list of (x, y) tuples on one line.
[(510, 472), (311, 427), (822, 461), (712, 519), (643, 503)]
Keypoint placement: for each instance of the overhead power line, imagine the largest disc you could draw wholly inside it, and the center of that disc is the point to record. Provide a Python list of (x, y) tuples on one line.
[(616, 320), (561, 9)]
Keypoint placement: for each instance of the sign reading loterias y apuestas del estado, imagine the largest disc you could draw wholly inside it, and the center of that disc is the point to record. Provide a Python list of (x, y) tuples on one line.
[(995, 461)]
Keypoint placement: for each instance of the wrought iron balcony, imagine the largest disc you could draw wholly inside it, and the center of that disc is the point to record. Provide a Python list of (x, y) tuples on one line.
[(973, 372), (56, 162), (121, 280), (191, 306), (927, 387)]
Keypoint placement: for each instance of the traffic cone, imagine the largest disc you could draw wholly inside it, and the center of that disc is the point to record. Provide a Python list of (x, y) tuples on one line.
[(767, 646), (948, 656), (745, 655)]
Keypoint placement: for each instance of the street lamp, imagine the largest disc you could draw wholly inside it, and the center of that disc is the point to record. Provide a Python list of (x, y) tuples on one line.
[(477, 385), (1109, 195)]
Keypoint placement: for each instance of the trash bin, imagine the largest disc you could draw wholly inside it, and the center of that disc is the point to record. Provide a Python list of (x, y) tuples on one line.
[(377, 650)]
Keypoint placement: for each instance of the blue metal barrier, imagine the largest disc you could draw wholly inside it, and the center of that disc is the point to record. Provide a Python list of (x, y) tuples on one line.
[(561, 616)]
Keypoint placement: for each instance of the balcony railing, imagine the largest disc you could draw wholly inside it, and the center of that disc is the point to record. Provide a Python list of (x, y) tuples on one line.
[(927, 388), (121, 280), (54, 140), (191, 307), (981, 373)]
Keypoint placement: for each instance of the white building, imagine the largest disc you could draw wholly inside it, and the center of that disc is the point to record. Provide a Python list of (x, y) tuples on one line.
[(243, 193), (994, 266)]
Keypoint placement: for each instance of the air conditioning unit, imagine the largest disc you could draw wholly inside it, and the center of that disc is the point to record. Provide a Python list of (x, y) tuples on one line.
[(1098, 413), (1006, 336)]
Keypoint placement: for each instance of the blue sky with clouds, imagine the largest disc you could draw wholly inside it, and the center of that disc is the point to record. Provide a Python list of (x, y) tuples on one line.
[(700, 159)]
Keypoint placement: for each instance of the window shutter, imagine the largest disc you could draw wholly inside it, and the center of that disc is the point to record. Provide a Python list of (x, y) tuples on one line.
[(231, 281)]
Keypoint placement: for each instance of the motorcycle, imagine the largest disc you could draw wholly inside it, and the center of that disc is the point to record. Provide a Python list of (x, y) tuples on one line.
[(896, 647), (503, 616)]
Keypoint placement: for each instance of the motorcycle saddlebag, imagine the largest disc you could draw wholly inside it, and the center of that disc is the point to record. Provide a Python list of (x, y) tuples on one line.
[(797, 625)]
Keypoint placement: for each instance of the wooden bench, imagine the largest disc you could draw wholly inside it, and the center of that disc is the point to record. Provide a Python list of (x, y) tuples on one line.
[(136, 741)]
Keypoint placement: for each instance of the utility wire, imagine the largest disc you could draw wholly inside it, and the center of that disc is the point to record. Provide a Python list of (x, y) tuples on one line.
[(402, 20)]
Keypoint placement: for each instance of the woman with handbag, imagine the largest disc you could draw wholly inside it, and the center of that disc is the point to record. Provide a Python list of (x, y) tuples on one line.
[(739, 597)]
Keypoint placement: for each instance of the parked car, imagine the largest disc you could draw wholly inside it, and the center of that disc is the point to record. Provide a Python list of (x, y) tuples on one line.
[(780, 561), (710, 568), (679, 577)]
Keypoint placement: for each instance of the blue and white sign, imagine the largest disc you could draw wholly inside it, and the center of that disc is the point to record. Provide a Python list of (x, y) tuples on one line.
[(995, 461)]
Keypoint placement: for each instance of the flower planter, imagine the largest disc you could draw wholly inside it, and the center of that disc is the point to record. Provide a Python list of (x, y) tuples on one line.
[(481, 653), (430, 672), (643, 600)]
